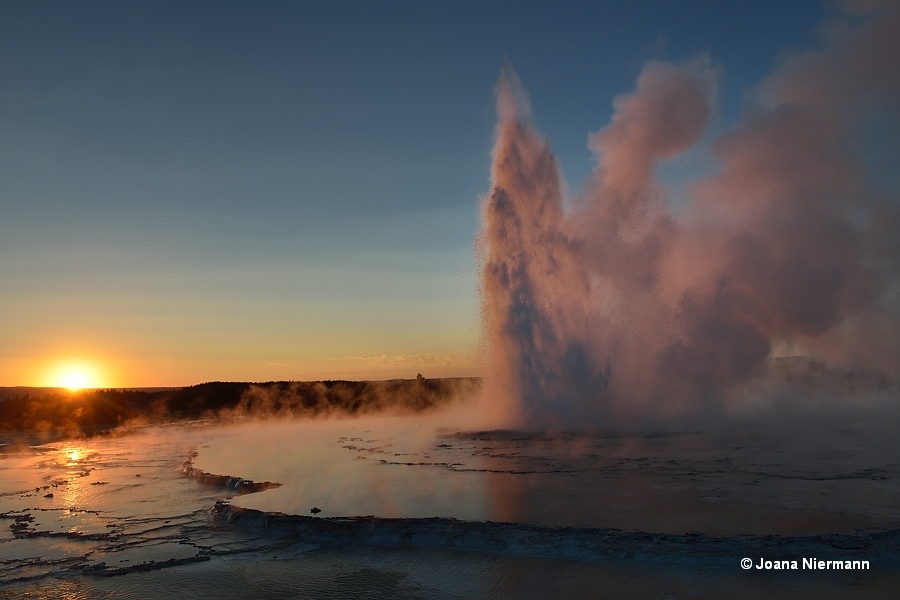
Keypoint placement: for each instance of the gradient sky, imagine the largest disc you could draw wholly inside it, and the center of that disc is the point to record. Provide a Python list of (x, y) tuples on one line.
[(257, 191)]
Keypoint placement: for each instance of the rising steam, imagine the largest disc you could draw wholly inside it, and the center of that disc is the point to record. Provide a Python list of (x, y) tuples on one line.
[(625, 309)]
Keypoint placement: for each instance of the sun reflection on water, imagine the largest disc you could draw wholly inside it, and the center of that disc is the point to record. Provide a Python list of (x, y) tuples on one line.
[(74, 454), (74, 458)]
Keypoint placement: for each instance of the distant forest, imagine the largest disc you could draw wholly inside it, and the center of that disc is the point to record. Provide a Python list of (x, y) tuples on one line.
[(39, 414)]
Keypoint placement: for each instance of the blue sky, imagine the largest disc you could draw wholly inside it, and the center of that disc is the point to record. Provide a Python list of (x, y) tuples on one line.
[(255, 191)]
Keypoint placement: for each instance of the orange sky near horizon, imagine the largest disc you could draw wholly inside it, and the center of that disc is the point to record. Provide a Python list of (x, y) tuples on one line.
[(222, 335), (98, 370)]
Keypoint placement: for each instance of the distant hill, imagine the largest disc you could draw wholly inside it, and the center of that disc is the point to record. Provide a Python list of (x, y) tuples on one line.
[(22, 390), (52, 413)]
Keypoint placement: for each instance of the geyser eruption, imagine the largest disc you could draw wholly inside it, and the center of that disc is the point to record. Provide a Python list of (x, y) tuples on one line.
[(618, 307)]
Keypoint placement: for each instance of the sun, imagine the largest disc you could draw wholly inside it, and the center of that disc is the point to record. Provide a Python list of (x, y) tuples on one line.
[(75, 377), (75, 380)]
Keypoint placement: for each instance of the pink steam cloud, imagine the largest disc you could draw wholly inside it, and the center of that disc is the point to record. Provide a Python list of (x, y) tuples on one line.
[(626, 312)]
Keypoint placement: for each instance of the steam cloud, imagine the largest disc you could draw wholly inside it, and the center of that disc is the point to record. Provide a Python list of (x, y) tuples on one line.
[(626, 308)]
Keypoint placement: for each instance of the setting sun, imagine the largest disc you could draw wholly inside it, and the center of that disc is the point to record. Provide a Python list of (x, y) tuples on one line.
[(75, 377), (75, 380)]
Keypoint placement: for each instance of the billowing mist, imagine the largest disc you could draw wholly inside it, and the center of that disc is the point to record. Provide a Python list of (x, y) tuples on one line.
[(618, 306)]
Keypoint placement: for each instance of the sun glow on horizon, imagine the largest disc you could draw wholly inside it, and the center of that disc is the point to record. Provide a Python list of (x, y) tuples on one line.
[(75, 381), (75, 377)]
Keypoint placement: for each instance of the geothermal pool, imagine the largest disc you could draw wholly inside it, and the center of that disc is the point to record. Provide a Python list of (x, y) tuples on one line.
[(747, 481), (418, 507)]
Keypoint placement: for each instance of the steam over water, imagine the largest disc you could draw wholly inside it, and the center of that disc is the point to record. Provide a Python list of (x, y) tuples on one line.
[(619, 306)]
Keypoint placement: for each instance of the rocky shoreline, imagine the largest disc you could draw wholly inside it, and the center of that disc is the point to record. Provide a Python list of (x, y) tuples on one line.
[(881, 547), (236, 485)]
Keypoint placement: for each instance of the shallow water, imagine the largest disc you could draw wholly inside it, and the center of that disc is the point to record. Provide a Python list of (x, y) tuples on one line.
[(124, 521), (843, 479), (100, 506)]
